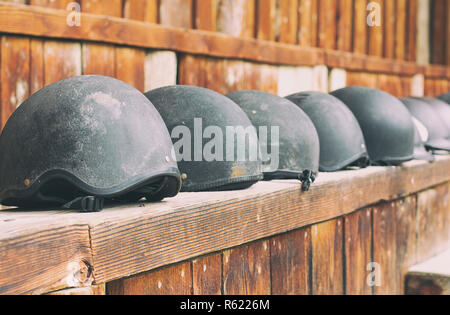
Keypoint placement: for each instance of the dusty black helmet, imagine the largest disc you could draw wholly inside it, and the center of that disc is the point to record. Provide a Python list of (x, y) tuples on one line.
[(83, 139), (386, 124), (441, 108), (445, 97), (341, 138), (294, 153), (420, 139), (437, 131), (215, 142)]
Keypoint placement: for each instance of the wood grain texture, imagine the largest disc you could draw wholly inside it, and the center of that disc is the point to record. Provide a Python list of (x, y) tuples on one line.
[(54, 4), (207, 275), (389, 28), (358, 252), (176, 13), (375, 33), (173, 280), (246, 270), (192, 70), (327, 24), (344, 25), (62, 60), (360, 27), (36, 65), (411, 51), (400, 29), (289, 18), (328, 258), (236, 18), (384, 248), (90, 290), (113, 8), (130, 66), (438, 33), (205, 15), (141, 10), (290, 256), (265, 22), (15, 74), (305, 32), (214, 74), (99, 59)]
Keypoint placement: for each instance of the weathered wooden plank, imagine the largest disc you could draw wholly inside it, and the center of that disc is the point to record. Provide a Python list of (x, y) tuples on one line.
[(314, 22), (363, 79), (269, 78), (375, 32), (384, 248), (15, 74), (214, 74), (90, 290), (253, 76), (400, 31), (289, 18), (54, 4), (405, 219), (130, 66), (205, 15), (358, 252), (265, 19), (233, 74), (207, 275), (423, 32), (141, 10), (344, 25), (62, 60), (337, 79), (438, 31), (236, 18), (160, 69), (411, 51), (173, 280), (176, 13), (113, 8), (246, 270), (99, 59), (36, 65), (327, 24), (289, 256), (328, 258), (192, 70), (360, 27), (35, 259), (389, 29), (305, 23)]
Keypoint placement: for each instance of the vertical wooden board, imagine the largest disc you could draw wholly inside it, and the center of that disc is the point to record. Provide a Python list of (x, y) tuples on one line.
[(289, 256), (432, 230), (236, 17), (411, 51), (141, 10), (406, 86), (207, 275), (269, 78), (400, 31), (439, 31), (192, 70), (327, 24), (214, 74), (54, 4), (252, 76), (233, 75), (423, 32), (305, 23), (62, 60), (205, 15), (246, 270), (99, 59), (389, 29), (265, 25), (161, 69), (429, 87), (337, 79), (405, 238), (176, 13), (314, 22), (360, 27), (113, 8), (36, 65), (130, 66), (371, 80), (344, 25), (358, 252), (417, 85), (289, 15), (328, 258), (173, 280), (376, 33), (384, 248), (14, 75), (390, 84)]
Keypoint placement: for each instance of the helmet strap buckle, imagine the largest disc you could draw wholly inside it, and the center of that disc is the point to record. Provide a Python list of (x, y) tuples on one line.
[(86, 204)]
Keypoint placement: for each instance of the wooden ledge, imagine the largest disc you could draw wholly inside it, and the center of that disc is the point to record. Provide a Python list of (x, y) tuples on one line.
[(51, 23), (431, 277), (46, 251)]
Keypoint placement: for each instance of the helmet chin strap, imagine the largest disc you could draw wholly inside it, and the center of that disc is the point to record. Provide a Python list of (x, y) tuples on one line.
[(307, 177), (86, 204)]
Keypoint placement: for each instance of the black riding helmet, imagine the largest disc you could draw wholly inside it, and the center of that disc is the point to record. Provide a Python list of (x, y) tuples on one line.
[(421, 137), (297, 142), (435, 126), (445, 97), (83, 139), (441, 108), (341, 138), (386, 124), (187, 110)]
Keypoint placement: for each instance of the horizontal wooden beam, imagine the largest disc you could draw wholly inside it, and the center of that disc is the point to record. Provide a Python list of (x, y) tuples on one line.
[(71, 249), (51, 23)]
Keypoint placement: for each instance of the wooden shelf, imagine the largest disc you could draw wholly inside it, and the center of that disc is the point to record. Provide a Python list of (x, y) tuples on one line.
[(44, 251), (50, 23)]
